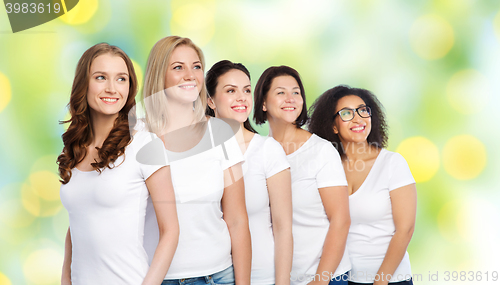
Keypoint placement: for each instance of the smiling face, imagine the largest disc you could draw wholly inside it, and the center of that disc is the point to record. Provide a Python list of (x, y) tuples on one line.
[(355, 130), (283, 100), (233, 96), (184, 76), (108, 85)]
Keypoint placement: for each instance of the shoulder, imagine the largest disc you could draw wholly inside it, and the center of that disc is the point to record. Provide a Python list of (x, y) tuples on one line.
[(391, 157)]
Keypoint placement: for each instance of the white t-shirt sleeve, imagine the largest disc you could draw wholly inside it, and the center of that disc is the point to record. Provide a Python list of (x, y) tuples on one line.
[(233, 152), (275, 156), (400, 174), (331, 173), (150, 153)]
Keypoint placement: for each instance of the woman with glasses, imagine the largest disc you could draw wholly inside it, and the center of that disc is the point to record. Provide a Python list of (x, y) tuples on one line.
[(320, 206), (383, 196)]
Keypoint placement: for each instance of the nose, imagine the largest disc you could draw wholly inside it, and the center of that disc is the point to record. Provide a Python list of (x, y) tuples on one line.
[(240, 96), (357, 117), (189, 75), (110, 87), (289, 98)]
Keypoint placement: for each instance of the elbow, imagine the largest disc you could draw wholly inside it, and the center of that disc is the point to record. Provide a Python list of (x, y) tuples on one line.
[(406, 232)]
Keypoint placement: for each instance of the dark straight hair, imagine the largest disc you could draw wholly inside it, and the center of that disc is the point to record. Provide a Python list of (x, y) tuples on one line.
[(212, 79), (263, 86), (323, 116)]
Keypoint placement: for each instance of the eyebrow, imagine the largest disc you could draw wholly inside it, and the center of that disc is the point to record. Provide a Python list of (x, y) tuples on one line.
[(285, 88), (234, 86), (183, 62), (103, 72)]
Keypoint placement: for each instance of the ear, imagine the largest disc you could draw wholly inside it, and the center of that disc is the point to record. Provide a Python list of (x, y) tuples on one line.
[(264, 107), (211, 103), (335, 129)]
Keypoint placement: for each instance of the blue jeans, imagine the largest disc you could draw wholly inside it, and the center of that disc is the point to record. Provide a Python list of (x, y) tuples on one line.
[(225, 277), (340, 280)]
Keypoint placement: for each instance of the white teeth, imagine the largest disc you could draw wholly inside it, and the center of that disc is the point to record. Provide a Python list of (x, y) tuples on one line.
[(187, 86), (239, 108), (289, 108), (358, 128), (109, 99)]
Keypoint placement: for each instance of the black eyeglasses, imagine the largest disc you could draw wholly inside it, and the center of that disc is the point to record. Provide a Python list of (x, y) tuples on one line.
[(347, 114)]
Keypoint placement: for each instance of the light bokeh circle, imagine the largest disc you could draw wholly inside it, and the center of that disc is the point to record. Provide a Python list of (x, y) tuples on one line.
[(5, 91), (422, 156), (81, 13), (46, 185), (453, 221), (468, 91), (464, 157), (193, 21), (4, 280), (43, 267), (431, 37)]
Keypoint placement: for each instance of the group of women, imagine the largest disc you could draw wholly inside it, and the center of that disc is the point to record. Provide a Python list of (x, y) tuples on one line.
[(192, 194)]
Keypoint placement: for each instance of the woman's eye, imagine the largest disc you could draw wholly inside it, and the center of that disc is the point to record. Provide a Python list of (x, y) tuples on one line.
[(296, 93), (100, 77), (197, 67), (122, 79), (248, 91), (281, 93), (178, 67), (230, 91)]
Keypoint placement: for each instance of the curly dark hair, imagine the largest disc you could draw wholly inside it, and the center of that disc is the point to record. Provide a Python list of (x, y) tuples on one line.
[(212, 79), (79, 134), (323, 110), (263, 86)]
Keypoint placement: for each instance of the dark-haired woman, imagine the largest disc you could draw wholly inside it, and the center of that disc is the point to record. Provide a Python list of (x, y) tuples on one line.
[(319, 188), (266, 175), (383, 196), (105, 189)]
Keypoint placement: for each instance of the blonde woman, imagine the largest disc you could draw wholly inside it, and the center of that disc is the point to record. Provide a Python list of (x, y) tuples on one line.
[(214, 242)]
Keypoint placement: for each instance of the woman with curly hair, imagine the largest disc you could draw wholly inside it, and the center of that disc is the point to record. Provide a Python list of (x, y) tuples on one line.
[(105, 189), (266, 171), (205, 159), (319, 192), (383, 196)]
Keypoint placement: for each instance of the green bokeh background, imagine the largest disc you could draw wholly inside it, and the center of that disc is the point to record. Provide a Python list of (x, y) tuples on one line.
[(433, 64)]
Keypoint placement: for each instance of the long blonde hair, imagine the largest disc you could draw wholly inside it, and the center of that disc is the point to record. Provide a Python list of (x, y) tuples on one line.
[(154, 83)]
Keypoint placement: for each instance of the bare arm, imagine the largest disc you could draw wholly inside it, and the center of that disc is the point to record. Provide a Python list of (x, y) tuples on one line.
[(336, 203), (280, 197), (235, 216), (162, 194), (404, 211), (68, 251)]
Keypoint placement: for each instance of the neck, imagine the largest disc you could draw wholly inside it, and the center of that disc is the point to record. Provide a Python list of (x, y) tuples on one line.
[(356, 150), (282, 131), (101, 127), (179, 116)]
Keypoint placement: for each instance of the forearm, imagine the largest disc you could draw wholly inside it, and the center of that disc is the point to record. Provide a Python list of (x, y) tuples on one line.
[(66, 269), (283, 253), (395, 253), (162, 258), (241, 250), (333, 251)]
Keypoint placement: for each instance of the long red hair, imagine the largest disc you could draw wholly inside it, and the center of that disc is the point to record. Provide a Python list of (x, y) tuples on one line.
[(79, 134)]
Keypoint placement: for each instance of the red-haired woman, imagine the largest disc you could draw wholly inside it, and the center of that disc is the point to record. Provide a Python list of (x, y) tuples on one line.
[(105, 189)]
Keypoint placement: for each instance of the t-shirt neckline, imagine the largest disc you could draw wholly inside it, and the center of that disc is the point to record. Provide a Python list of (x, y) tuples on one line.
[(369, 173), (301, 147)]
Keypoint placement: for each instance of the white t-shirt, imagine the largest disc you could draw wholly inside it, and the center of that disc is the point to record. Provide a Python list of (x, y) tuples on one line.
[(316, 164), (204, 243), (372, 225), (106, 218), (264, 158)]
